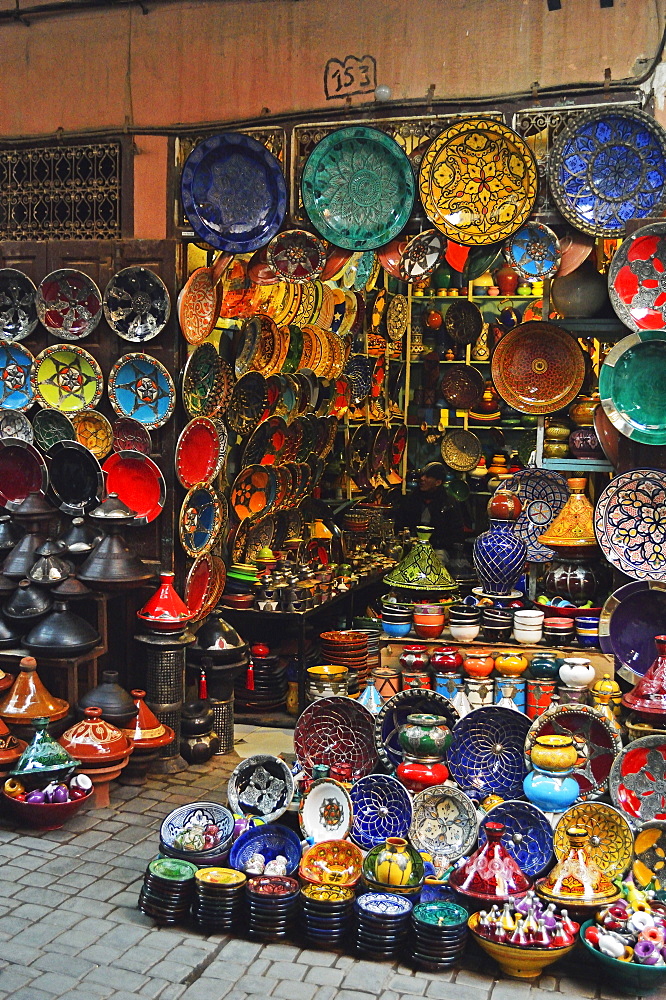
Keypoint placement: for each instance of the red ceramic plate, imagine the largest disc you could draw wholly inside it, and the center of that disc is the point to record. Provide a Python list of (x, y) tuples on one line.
[(22, 471), (138, 482), (538, 368), (199, 452), (200, 581)]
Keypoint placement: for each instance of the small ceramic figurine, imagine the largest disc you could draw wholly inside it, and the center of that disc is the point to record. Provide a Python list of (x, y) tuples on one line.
[(255, 864), (276, 867)]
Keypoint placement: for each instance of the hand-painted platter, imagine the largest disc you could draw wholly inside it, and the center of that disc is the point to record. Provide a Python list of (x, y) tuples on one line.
[(444, 823), (93, 431), (16, 391), (638, 780), (233, 192), (630, 619), (611, 839), (138, 482), (421, 256), (534, 251), (463, 322), (130, 435), (382, 808), (296, 255), (630, 525), (267, 443), (528, 836), (248, 342), (67, 378), (247, 404), (208, 382), (462, 386), (478, 182), (358, 188), (609, 166), (141, 387), (461, 450), (15, 424), (254, 491), (393, 714), (136, 304), (538, 368), (50, 426), (22, 471), (199, 305), (542, 494), (201, 517), (336, 731), (634, 400), (200, 452), (69, 304), (397, 318), (18, 311), (358, 372), (325, 811), (76, 483), (487, 752), (636, 279)]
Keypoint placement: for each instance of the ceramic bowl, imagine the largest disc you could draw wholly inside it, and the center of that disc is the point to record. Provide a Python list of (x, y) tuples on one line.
[(198, 814), (558, 638), (525, 617), (332, 862), (496, 633), (522, 963), (397, 630), (429, 609), (270, 840), (428, 631), (527, 636), (628, 977), (464, 633), (42, 815), (588, 641)]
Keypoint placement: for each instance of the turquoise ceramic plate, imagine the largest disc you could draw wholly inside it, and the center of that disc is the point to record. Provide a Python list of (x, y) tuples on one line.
[(358, 188), (634, 400)]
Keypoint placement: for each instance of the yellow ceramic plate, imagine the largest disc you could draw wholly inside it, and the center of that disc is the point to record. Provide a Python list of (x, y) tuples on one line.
[(93, 431), (67, 378), (221, 876)]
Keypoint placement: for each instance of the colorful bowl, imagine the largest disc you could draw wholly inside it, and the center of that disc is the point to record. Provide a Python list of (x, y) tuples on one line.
[(522, 963), (628, 977), (332, 862), (42, 815)]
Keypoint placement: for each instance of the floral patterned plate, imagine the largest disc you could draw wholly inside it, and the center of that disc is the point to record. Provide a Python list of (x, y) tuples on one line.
[(201, 517), (611, 839), (638, 780), (630, 523), (69, 304), (67, 378), (325, 811), (538, 368), (50, 426), (296, 255), (634, 401), (397, 317), (136, 304), (199, 305), (18, 312), (254, 491), (14, 424), (138, 482), (650, 856), (208, 382), (16, 390), (534, 251), (444, 823), (267, 443)]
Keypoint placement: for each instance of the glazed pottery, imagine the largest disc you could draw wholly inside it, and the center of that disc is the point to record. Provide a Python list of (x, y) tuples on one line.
[(516, 961), (499, 555), (576, 881), (29, 700), (117, 706), (61, 634), (581, 294), (490, 874), (43, 760), (414, 657), (584, 443), (425, 737), (165, 611), (421, 569), (394, 863), (445, 660), (648, 697), (510, 664), (95, 742), (545, 666), (550, 785), (27, 604), (572, 531), (577, 672), (325, 811), (479, 663)]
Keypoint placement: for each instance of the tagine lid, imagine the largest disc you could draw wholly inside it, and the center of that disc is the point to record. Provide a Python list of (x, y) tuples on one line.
[(10, 747), (648, 697), (43, 757), (28, 699), (577, 879), (573, 528), (165, 610), (147, 732), (421, 569), (491, 873), (95, 741)]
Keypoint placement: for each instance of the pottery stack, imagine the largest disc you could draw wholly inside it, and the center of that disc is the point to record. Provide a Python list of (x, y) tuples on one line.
[(439, 934), (271, 906), (326, 911), (217, 906), (382, 924), (347, 648), (167, 891)]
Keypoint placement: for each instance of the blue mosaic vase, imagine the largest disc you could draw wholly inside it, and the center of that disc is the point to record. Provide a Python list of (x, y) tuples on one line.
[(499, 557)]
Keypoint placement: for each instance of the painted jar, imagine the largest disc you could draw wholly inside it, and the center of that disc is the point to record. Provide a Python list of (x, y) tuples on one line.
[(478, 664), (414, 657), (550, 785), (545, 666), (513, 688), (510, 664), (386, 680), (425, 736), (446, 660), (394, 864), (448, 684), (577, 672), (554, 753), (479, 691), (539, 697)]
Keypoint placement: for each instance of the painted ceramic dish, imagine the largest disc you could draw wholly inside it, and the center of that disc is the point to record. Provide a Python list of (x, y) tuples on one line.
[(397, 318), (200, 521), (261, 785), (609, 166), (254, 491), (200, 452), (248, 343), (267, 444), (358, 188), (463, 322), (534, 251), (14, 424), (325, 811), (486, 755), (635, 279), (538, 368), (138, 482), (382, 807), (93, 431), (461, 450), (130, 435), (141, 387), (136, 304), (233, 192), (296, 255), (76, 483), (259, 536), (638, 780), (18, 312), (609, 436), (67, 378), (421, 256), (22, 471), (336, 731), (649, 864), (247, 403), (444, 823), (528, 836), (462, 386), (542, 495), (50, 426), (611, 839), (478, 182), (16, 390), (634, 401), (479, 260), (628, 523), (393, 714), (199, 305), (358, 372), (69, 304), (332, 862), (208, 382), (200, 586), (630, 619)]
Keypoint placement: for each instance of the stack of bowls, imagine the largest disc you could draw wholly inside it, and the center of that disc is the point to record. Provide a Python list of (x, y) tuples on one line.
[(558, 631), (439, 934), (464, 622), (269, 684), (167, 890), (271, 906), (374, 656), (356, 521), (195, 817), (429, 620), (326, 681), (497, 624), (347, 648), (528, 626), (218, 899), (241, 578), (587, 630), (396, 620), (327, 910), (382, 924)]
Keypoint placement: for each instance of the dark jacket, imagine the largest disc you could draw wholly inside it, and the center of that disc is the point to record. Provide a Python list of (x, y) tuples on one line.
[(437, 509)]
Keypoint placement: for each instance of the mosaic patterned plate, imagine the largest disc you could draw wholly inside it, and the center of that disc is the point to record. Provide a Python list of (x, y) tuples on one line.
[(421, 256), (542, 494), (393, 714), (51, 426), (638, 780), (65, 377), (606, 167), (130, 435), (397, 318), (462, 386), (611, 839), (18, 311), (261, 785), (630, 619), (69, 304), (141, 387), (136, 304), (254, 491), (296, 255), (630, 525), (538, 368), (14, 424), (444, 823), (358, 188), (635, 279), (487, 754), (208, 382), (528, 835), (200, 452), (478, 182), (461, 450), (634, 401), (382, 808), (534, 251), (248, 343), (463, 322), (93, 431), (16, 391), (138, 482), (201, 517), (650, 856), (199, 305), (247, 404), (336, 731), (233, 192), (22, 471), (76, 483)]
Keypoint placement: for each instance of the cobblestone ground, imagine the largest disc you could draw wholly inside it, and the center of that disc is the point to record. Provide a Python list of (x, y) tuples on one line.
[(70, 929)]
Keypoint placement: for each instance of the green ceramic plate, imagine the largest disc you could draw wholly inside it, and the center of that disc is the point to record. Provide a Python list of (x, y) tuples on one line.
[(172, 868), (358, 188), (632, 393)]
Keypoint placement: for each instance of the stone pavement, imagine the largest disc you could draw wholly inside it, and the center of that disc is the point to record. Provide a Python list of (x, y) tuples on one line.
[(70, 929)]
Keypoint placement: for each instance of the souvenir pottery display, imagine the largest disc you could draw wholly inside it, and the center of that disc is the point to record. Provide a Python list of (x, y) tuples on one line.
[(524, 939), (394, 865), (549, 784), (499, 554)]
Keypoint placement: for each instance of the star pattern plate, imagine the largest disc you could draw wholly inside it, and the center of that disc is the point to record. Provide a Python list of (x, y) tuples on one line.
[(69, 304), (528, 836), (638, 780), (486, 755), (18, 312), (393, 714), (444, 824), (296, 255), (542, 494), (16, 390), (382, 808), (630, 523), (336, 731), (141, 387), (208, 382), (421, 256), (136, 304), (67, 378), (201, 518), (611, 840)]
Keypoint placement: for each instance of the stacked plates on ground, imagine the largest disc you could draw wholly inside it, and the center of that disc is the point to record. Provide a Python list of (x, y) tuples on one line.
[(439, 934), (167, 890), (349, 648), (382, 924), (374, 658), (327, 911), (271, 906), (268, 680), (218, 899)]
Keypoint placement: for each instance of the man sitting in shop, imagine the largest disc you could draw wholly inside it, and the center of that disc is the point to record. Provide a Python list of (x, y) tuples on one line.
[(430, 504)]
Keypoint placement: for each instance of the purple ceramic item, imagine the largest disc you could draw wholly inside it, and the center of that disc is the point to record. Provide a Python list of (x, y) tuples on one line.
[(630, 619)]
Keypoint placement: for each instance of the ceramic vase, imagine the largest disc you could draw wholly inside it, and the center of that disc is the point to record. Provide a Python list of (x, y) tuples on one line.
[(394, 864), (424, 736), (490, 874), (577, 672), (499, 555), (550, 785)]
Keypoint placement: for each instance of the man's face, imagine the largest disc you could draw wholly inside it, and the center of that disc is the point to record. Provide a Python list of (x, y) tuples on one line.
[(427, 482)]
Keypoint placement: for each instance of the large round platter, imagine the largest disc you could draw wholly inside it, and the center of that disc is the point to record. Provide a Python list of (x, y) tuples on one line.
[(22, 471), (461, 450), (136, 304), (69, 304), (609, 166), (534, 251), (638, 780), (200, 452), (421, 256), (208, 382), (16, 390), (233, 192), (200, 586), (358, 188), (382, 808), (528, 835), (649, 862), (18, 312), (479, 260), (296, 255), (248, 341), (486, 755), (325, 811), (542, 495), (201, 517), (254, 491), (538, 368), (357, 371), (630, 619), (635, 279), (50, 426), (611, 840), (14, 424), (629, 524), (76, 483), (138, 482), (199, 305), (478, 182), (595, 738), (141, 387), (247, 404), (634, 400), (444, 823), (462, 386), (336, 731), (393, 714), (67, 378), (130, 435), (93, 431)]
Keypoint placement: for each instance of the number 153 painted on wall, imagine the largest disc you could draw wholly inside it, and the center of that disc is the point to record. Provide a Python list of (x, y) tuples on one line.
[(349, 76)]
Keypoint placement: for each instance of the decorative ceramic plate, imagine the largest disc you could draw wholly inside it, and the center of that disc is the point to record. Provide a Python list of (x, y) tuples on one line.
[(50, 426), (358, 188), (199, 585), (199, 305), (261, 786), (634, 401), (259, 271), (479, 260), (630, 525), (200, 452), (393, 714), (296, 255), (332, 862), (611, 840), (575, 247), (18, 312), (69, 304), (444, 823), (138, 482), (463, 322), (461, 450), (630, 619), (606, 167), (141, 387), (22, 471), (260, 535), (136, 304), (382, 808), (478, 182), (538, 368), (76, 483), (635, 279), (248, 342), (208, 382), (358, 371), (267, 444), (595, 738), (397, 318), (528, 836), (130, 435), (534, 251), (14, 424), (462, 386), (16, 391), (650, 856), (93, 431), (325, 811), (398, 445), (487, 754), (336, 731), (247, 404), (254, 491), (542, 494), (379, 450), (233, 192), (421, 256), (67, 378), (200, 520), (638, 780)]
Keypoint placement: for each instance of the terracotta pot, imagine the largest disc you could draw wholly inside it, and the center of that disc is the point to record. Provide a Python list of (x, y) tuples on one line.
[(479, 664), (507, 280), (28, 699)]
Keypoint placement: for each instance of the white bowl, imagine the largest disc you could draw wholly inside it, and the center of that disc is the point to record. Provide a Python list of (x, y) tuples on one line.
[(464, 633), (527, 636), (528, 617)]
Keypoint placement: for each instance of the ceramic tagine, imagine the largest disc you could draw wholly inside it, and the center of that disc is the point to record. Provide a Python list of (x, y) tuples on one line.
[(490, 874), (10, 749), (499, 555), (111, 562), (33, 514), (165, 611), (648, 697), (61, 634), (148, 736), (576, 881), (102, 748), (550, 785), (50, 567), (116, 704), (571, 533), (29, 700), (43, 760), (421, 569)]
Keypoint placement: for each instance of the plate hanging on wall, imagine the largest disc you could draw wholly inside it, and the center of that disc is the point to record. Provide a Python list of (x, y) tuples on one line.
[(67, 378), (22, 472), (542, 494), (14, 424), (201, 517), (200, 452), (141, 387), (93, 431), (628, 524), (296, 255), (199, 305), (130, 435), (538, 368), (630, 619), (534, 251), (50, 426), (18, 311), (138, 482), (208, 382), (636, 279), (76, 483), (421, 256), (16, 390), (69, 304), (633, 399), (136, 304)]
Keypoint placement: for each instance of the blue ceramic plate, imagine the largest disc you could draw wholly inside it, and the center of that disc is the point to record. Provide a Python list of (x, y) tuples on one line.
[(534, 251), (487, 754), (270, 840), (385, 904), (382, 808), (201, 518), (16, 392), (140, 387), (233, 192), (528, 836)]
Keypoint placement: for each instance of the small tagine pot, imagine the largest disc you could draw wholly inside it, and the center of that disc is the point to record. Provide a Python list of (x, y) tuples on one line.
[(117, 706), (43, 760), (27, 604), (571, 533), (61, 633), (421, 569), (165, 611), (198, 741), (149, 736), (33, 514), (28, 700), (10, 750), (576, 881), (51, 565), (103, 749), (112, 563), (490, 875)]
